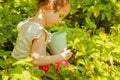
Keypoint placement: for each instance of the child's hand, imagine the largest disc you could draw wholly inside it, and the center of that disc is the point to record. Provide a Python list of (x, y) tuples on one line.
[(66, 54)]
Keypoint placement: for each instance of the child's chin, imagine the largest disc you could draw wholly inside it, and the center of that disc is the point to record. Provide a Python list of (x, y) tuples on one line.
[(53, 24)]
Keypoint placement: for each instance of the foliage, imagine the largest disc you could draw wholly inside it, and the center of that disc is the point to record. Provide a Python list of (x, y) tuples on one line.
[(92, 34), (12, 12), (95, 56), (94, 14)]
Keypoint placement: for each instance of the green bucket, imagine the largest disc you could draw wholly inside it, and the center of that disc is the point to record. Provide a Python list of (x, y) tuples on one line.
[(58, 42)]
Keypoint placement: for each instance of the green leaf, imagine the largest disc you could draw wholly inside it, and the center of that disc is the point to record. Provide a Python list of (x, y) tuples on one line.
[(90, 23), (51, 73), (2, 65), (17, 69), (96, 13), (108, 15), (39, 73), (103, 36), (80, 62), (26, 75), (24, 61), (92, 9), (1, 1), (116, 49), (82, 69), (103, 16), (83, 48), (5, 77), (79, 54)]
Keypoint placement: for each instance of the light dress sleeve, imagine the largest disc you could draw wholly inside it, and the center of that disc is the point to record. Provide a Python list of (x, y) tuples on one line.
[(20, 24), (39, 33), (34, 31), (26, 34)]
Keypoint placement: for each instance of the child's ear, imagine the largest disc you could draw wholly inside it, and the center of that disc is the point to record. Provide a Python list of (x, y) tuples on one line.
[(51, 6)]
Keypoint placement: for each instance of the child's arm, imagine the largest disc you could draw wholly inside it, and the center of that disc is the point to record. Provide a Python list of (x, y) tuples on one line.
[(39, 59)]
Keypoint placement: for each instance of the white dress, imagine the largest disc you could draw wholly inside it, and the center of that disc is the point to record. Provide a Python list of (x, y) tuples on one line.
[(27, 32)]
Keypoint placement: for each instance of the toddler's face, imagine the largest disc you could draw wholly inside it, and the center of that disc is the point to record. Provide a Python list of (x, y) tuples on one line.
[(53, 18)]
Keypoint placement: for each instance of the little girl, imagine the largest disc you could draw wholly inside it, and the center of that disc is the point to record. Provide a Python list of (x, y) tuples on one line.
[(33, 38)]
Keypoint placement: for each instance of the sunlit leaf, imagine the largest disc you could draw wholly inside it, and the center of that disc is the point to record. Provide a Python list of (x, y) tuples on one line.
[(103, 36), (17, 76), (36, 78), (5, 77), (78, 54), (116, 78), (17, 4), (96, 13), (1, 1), (26, 75), (80, 61), (83, 49), (76, 40), (116, 49), (1, 7), (109, 45), (92, 9), (114, 1), (24, 61), (82, 69), (90, 23)]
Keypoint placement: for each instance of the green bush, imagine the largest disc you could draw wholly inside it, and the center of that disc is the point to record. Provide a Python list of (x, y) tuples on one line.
[(94, 14), (11, 13)]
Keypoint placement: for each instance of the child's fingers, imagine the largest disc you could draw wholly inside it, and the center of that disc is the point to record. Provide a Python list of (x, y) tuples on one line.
[(66, 54)]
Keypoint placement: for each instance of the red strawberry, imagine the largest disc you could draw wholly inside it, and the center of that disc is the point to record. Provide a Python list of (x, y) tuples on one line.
[(57, 65), (44, 68), (65, 62)]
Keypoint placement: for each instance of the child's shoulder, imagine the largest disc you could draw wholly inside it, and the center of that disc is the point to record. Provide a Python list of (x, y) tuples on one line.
[(29, 24), (20, 24)]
